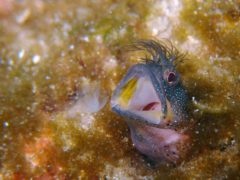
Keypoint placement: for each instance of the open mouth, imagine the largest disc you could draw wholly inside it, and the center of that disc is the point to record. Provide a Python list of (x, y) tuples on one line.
[(139, 98)]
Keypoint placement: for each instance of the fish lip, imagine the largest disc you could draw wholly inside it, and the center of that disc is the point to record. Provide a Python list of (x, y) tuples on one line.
[(131, 117), (157, 84), (143, 67)]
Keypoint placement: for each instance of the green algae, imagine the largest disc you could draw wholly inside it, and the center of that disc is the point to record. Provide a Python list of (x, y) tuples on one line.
[(211, 78), (34, 95), (217, 25), (35, 90), (220, 58)]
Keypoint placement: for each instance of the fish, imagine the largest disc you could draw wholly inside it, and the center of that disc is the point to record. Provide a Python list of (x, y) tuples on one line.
[(153, 102)]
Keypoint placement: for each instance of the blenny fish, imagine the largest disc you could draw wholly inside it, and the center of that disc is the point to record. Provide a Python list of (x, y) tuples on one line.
[(153, 101)]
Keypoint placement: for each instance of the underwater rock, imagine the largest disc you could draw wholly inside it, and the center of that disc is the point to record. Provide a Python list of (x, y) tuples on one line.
[(88, 100), (85, 102), (152, 100)]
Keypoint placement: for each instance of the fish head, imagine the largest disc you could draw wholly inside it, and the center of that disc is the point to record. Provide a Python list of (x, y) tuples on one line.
[(151, 92), (152, 100)]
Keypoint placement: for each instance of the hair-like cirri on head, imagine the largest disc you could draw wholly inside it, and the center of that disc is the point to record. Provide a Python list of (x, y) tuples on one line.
[(160, 52)]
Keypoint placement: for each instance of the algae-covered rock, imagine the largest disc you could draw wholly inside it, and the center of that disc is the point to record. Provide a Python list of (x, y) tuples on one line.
[(55, 53)]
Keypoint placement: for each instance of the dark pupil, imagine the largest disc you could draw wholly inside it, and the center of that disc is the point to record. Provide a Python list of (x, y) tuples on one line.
[(171, 77)]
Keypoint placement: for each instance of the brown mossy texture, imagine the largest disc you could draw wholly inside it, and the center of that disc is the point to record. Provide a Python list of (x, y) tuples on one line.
[(53, 53)]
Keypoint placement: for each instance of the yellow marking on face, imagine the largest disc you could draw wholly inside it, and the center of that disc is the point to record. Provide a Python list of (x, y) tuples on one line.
[(127, 91), (151, 113), (169, 111)]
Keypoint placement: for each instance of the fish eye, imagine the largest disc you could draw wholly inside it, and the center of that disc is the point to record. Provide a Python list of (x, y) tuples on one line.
[(171, 77)]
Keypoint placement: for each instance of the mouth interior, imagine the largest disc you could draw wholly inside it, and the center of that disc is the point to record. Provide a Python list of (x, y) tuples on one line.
[(144, 98), (139, 97)]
